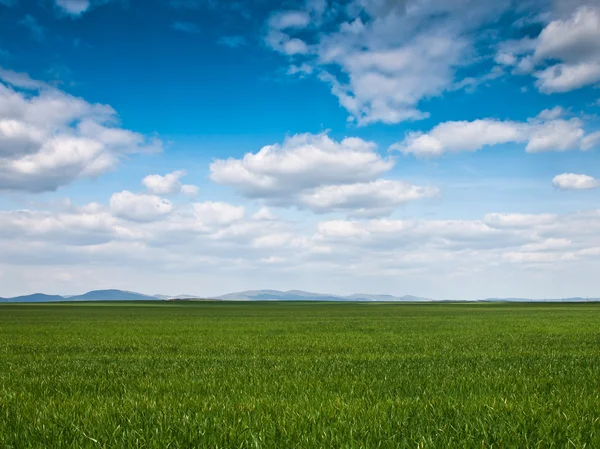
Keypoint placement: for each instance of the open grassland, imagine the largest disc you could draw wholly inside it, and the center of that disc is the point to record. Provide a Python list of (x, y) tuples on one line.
[(285, 375)]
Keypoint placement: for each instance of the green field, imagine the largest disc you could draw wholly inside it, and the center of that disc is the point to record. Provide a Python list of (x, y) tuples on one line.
[(284, 375)]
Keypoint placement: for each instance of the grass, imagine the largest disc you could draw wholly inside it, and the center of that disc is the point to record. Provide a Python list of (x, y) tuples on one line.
[(285, 375)]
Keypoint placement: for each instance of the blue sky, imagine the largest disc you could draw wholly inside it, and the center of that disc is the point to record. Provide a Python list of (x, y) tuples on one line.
[(441, 149)]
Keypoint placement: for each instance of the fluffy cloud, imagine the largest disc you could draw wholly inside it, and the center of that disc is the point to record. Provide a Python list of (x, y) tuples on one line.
[(547, 132), (169, 184), (280, 24), (202, 240), (319, 173), (190, 190), (289, 19), (382, 58), (73, 7), (590, 141), (366, 198), (567, 77), (139, 207), (218, 213), (264, 214), (49, 139), (565, 56), (303, 161), (515, 238), (572, 181)]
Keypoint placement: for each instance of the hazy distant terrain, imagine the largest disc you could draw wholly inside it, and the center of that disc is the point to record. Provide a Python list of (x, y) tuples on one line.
[(94, 295), (299, 295), (261, 295)]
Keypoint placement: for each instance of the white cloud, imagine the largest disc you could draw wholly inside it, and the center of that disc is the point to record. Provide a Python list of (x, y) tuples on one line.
[(216, 244), (289, 19), (572, 181), (295, 46), (73, 7), (590, 141), (382, 58), (460, 136), (139, 207), (555, 135), (509, 51), (50, 139), (378, 197), (386, 85), (302, 162), (190, 190), (518, 221), (567, 77), (280, 25), (571, 46), (164, 185), (552, 114), (218, 213), (574, 39), (319, 173), (466, 243), (546, 132), (264, 214)]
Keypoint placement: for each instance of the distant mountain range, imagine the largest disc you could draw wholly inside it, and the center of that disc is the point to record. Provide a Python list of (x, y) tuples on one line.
[(299, 295), (95, 295), (256, 295)]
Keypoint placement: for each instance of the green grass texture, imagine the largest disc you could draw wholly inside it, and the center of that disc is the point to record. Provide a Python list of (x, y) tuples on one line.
[(299, 375)]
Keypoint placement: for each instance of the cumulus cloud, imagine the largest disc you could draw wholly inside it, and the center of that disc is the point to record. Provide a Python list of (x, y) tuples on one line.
[(382, 58), (264, 214), (201, 240), (218, 213), (590, 141), (517, 238), (565, 55), (73, 7), (50, 138), (190, 190), (289, 19), (302, 162), (280, 24), (572, 181), (169, 184), (518, 221), (567, 77), (318, 173), (139, 207), (546, 132), (378, 197)]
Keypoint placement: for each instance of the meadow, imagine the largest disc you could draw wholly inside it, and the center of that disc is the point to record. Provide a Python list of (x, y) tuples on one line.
[(299, 375)]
